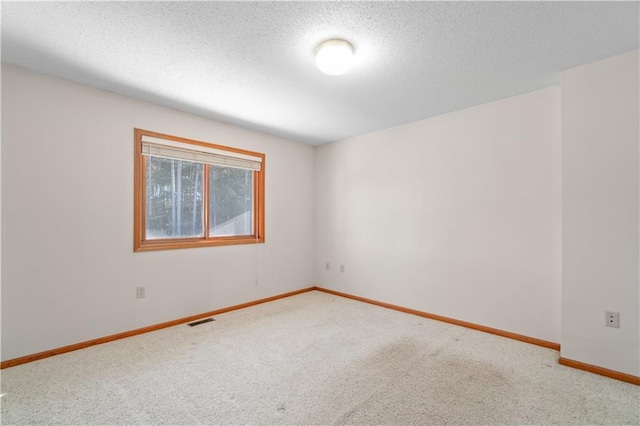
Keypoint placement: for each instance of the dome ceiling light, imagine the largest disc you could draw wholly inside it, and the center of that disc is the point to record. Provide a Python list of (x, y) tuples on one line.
[(334, 57)]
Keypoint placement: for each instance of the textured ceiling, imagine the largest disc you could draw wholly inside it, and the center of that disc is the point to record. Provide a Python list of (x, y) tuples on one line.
[(252, 63)]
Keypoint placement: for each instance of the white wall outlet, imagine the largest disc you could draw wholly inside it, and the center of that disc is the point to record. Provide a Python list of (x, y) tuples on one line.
[(613, 319), (326, 266), (341, 268), (140, 292)]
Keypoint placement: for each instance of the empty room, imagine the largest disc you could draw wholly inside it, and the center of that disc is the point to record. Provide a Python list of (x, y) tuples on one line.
[(318, 213)]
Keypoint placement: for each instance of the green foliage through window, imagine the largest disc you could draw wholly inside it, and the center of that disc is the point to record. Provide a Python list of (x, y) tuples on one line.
[(174, 205), (174, 198), (230, 201)]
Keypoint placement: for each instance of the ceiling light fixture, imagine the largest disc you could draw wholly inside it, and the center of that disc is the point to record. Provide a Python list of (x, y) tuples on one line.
[(334, 57)]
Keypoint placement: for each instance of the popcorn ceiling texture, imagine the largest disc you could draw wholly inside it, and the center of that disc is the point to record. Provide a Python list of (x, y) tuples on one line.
[(313, 359), (252, 63)]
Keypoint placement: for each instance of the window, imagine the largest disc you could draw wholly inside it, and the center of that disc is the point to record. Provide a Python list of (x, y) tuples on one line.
[(193, 194)]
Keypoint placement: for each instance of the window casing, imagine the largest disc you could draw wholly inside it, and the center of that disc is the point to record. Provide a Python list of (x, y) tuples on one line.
[(195, 194)]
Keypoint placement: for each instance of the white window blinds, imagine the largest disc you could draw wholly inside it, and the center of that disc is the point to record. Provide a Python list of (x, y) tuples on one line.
[(165, 148)]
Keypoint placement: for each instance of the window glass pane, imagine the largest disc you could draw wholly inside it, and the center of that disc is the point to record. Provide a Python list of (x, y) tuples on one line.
[(174, 198), (230, 201)]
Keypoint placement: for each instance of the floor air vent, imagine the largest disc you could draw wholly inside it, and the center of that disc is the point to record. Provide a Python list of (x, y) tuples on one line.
[(191, 324)]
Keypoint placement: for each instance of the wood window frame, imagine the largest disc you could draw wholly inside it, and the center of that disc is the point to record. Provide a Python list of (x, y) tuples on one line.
[(140, 243)]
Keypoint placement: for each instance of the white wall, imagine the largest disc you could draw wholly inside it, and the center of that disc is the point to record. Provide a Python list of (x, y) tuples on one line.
[(0, 215), (69, 271), (457, 215), (600, 119)]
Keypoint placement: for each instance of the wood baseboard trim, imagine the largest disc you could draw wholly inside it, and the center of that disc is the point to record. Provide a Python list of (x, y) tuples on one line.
[(520, 337), (628, 378), (88, 343), (612, 374)]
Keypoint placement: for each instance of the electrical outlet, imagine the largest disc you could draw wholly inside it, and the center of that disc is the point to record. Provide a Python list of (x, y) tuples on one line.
[(326, 266), (613, 319), (341, 268), (140, 292)]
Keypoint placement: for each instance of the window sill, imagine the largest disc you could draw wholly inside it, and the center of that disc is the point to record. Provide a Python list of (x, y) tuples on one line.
[(182, 243)]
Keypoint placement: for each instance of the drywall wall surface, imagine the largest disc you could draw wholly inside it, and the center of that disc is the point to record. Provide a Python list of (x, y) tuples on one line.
[(456, 215), (600, 196), (0, 215), (69, 271)]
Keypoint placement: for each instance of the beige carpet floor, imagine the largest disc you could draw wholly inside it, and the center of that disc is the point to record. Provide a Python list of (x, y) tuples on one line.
[(313, 359)]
